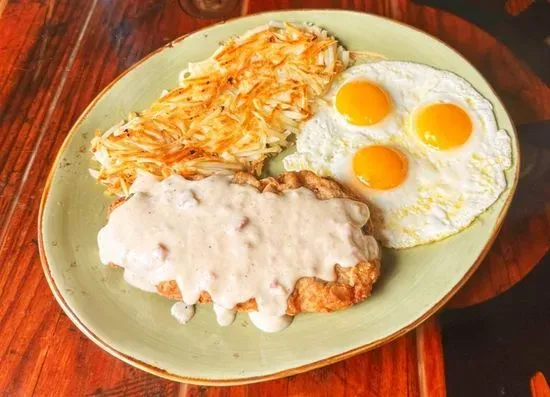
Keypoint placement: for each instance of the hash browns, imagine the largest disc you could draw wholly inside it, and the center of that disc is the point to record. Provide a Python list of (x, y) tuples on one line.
[(230, 112)]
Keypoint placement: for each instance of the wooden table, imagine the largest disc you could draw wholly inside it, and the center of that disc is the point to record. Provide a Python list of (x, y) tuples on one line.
[(56, 55)]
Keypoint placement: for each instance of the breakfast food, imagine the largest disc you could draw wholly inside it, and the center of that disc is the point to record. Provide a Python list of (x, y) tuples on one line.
[(230, 111), (194, 224), (275, 247), (420, 145)]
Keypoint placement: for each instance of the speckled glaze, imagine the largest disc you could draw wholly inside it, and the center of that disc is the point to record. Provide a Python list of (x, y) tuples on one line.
[(137, 327)]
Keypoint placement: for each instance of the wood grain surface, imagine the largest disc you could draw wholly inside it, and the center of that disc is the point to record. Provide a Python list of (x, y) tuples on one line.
[(56, 55)]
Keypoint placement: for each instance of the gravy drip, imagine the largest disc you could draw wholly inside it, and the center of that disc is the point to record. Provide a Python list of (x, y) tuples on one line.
[(231, 240)]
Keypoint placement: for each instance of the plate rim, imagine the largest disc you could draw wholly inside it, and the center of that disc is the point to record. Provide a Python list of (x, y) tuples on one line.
[(152, 369)]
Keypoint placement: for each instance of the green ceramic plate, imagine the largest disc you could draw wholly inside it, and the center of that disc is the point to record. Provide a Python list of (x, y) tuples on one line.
[(137, 327)]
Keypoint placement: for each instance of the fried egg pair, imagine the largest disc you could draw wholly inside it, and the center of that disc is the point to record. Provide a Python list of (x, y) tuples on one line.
[(421, 146)]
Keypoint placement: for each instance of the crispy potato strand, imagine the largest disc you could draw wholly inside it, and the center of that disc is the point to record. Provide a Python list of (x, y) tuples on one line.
[(230, 112)]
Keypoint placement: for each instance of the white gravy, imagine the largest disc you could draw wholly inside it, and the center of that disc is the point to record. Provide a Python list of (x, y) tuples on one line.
[(232, 241), (182, 312), (269, 323), (224, 317)]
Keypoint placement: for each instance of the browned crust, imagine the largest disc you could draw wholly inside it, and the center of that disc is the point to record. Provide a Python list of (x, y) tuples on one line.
[(352, 284)]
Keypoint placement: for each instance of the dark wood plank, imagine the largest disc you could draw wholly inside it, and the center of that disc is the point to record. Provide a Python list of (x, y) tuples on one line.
[(80, 368), (431, 371), (31, 88)]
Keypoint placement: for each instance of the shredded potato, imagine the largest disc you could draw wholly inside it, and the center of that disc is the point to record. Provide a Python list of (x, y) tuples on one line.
[(230, 112)]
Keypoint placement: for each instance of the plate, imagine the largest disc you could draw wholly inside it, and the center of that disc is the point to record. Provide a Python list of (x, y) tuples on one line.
[(137, 327)]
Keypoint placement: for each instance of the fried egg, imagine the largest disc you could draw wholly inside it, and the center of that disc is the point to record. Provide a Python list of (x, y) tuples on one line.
[(421, 145)]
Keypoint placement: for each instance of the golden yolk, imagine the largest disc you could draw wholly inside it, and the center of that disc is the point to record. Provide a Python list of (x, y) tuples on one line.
[(362, 103), (443, 126), (380, 167)]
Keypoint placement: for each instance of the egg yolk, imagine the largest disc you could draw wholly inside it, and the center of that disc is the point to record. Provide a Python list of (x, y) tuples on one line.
[(362, 102), (443, 126), (380, 167)]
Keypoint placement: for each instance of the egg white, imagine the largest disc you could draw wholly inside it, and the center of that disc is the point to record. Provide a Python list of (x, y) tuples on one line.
[(445, 190)]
